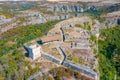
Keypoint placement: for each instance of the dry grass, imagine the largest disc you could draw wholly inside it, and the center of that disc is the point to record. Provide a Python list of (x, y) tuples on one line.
[(51, 49), (10, 43)]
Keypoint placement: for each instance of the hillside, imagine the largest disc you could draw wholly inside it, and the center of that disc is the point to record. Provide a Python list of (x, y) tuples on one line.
[(59, 40)]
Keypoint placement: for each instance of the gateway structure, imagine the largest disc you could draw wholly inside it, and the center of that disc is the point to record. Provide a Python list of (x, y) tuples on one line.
[(34, 51)]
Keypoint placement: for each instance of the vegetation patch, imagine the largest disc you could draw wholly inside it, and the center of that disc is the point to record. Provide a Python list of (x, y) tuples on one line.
[(109, 54), (74, 59), (13, 64), (86, 26), (23, 34), (60, 72)]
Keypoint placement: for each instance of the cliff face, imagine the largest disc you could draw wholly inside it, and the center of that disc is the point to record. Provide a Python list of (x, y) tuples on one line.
[(77, 0), (66, 8), (49, 11)]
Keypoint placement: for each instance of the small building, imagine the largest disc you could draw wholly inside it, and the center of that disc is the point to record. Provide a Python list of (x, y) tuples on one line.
[(34, 51)]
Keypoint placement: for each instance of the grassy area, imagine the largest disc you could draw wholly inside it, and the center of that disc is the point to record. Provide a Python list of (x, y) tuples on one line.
[(109, 54), (93, 38), (86, 26), (23, 34), (67, 74), (13, 64), (7, 15), (48, 48), (61, 72), (74, 59)]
